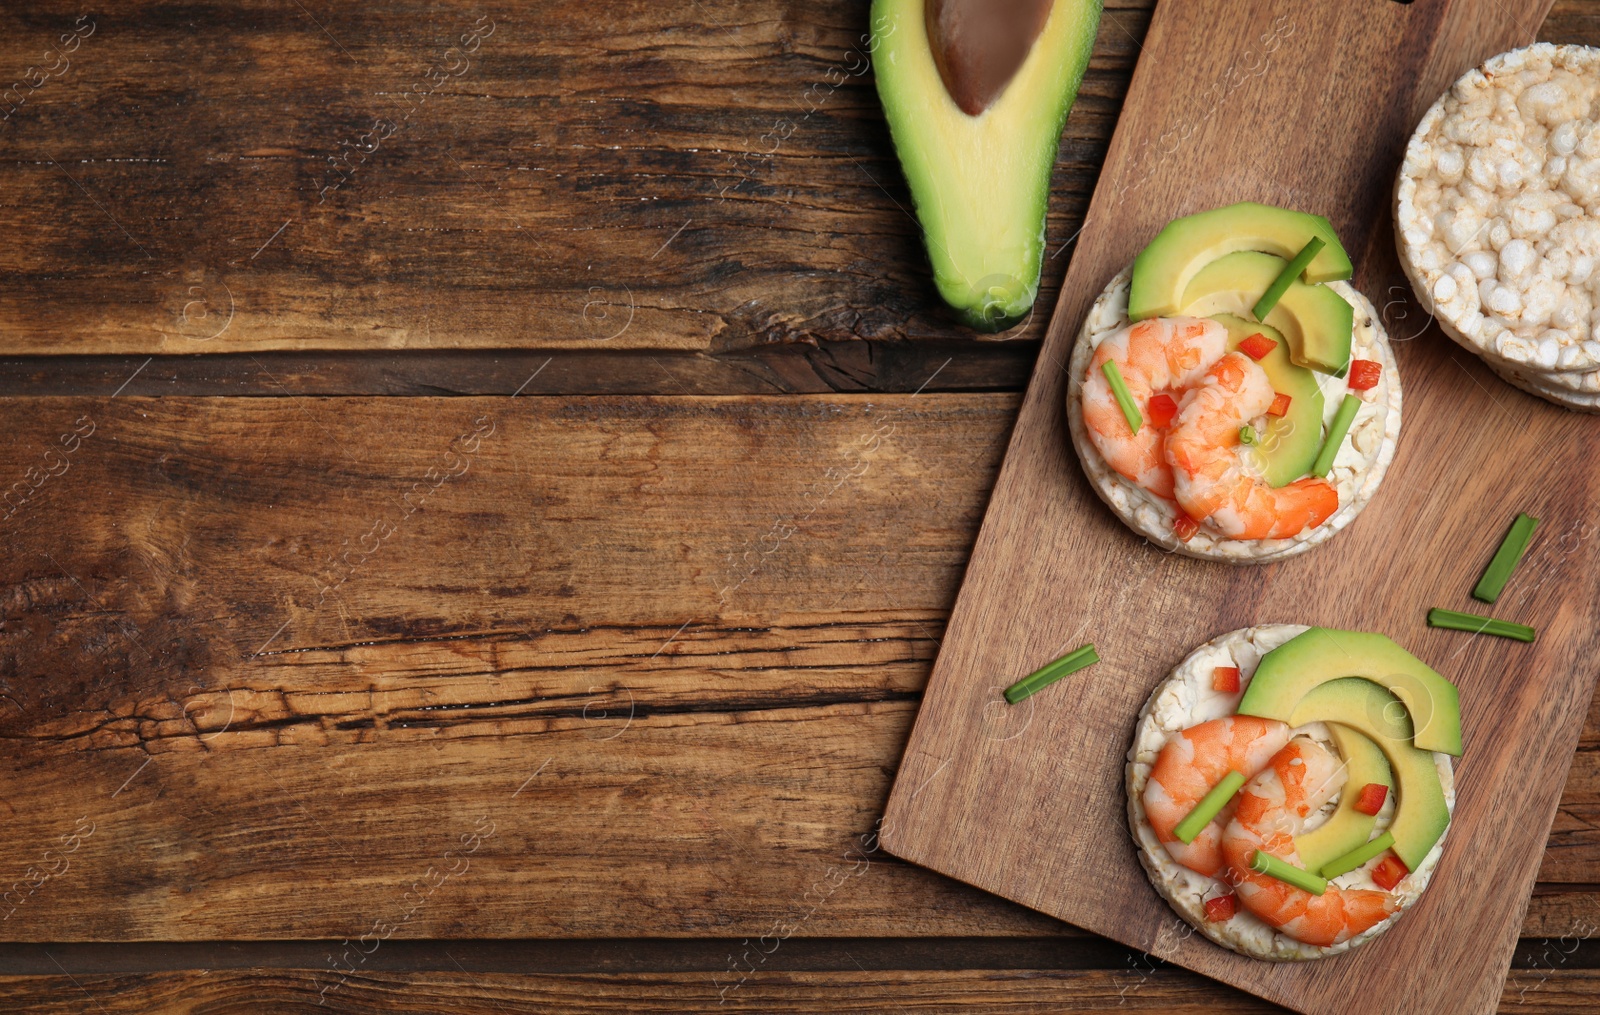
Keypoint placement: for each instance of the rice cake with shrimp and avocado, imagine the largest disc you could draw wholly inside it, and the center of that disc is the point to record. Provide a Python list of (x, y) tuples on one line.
[(1260, 418), (1299, 838)]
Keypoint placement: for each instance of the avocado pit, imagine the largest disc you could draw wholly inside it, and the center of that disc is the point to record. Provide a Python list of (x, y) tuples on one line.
[(979, 45)]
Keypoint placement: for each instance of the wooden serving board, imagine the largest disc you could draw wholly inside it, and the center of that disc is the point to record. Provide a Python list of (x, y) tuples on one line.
[(1308, 106)]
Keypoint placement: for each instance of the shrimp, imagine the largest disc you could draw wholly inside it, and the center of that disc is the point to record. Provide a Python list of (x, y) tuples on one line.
[(1192, 762), (1163, 353), (1210, 481), (1268, 812)]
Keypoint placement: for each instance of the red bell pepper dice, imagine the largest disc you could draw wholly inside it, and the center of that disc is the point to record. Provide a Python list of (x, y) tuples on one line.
[(1225, 679), (1222, 908), (1389, 872), (1280, 405), (1185, 527), (1364, 374), (1162, 409), (1257, 346), (1370, 799)]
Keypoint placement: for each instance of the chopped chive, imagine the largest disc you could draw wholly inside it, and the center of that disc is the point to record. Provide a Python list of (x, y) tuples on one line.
[(1505, 559), (1208, 807), (1288, 873), (1049, 673), (1119, 388), (1286, 277), (1336, 434), (1455, 621), (1356, 857), (1247, 434)]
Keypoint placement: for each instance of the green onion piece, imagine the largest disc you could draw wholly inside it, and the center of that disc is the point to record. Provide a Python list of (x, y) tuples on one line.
[(1336, 435), (1479, 625), (1049, 673), (1272, 867), (1207, 808), (1119, 388), (1356, 857), (1247, 434), (1286, 277), (1505, 559)]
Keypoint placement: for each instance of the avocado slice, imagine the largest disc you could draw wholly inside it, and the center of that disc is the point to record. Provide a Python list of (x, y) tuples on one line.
[(1316, 320), (1163, 270), (1420, 812), (981, 182), (1346, 828), (1294, 669), (1289, 443)]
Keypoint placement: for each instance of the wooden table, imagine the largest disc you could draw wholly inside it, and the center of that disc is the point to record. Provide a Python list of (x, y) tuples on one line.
[(487, 537)]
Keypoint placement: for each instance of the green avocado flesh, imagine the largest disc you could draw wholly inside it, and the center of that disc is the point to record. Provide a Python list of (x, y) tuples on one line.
[(1420, 812), (1346, 828), (1162, 271), (1292, 670), (981, 184), (1288, 445), (1316, 320)]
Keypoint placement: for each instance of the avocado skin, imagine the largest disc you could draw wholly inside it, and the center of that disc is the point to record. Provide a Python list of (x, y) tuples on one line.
[(981, 184)]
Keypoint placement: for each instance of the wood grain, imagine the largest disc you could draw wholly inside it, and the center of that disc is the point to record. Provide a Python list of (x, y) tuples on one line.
[(1052, 568), (1163, 989), (173, 672), (457, 991), (695, 179), (73, 282), (598, 146), (790, 368), (143, 688)]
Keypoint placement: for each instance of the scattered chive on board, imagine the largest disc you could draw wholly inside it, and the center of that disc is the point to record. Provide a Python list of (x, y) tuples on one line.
[(1288, 873), (1119, 388), (1208, 807), (1505, 559), (1286, 277), (1049, 673), (1455, 621), (1356, 857), (1336, 434)]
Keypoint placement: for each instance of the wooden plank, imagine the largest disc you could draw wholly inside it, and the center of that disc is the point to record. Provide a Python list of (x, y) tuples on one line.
[(689, 180), (1052, 567), (353, 748), (255, 135), (1559, 911), (1161, 989), (933, 992), (791, 368), (175, 674)]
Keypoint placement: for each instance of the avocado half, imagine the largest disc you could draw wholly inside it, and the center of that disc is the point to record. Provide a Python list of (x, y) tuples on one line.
[(976, 93)]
